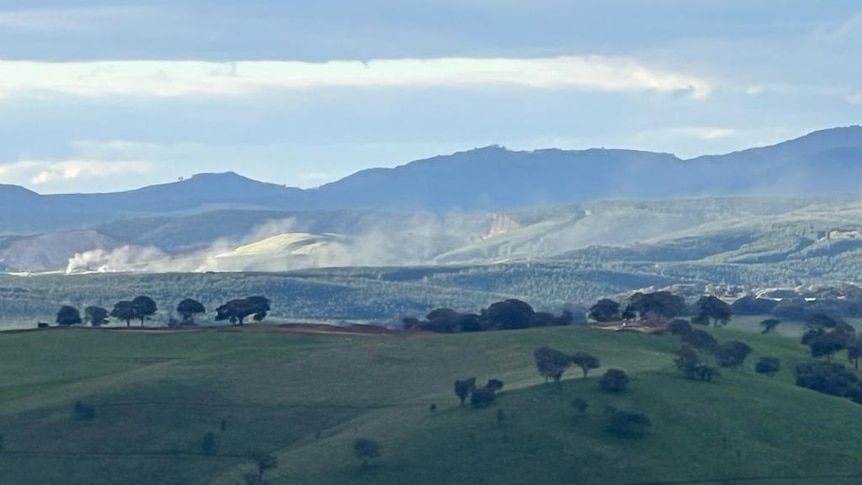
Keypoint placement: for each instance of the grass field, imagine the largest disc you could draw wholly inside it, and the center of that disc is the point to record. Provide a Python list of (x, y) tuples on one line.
[(305, 398)]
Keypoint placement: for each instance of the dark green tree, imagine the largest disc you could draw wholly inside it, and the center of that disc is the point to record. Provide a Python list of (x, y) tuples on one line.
[(96, 316), (125, 311), (68, 315), (510, 314), (825, 335), (713, 308), (586, 362), (365, 449), (551, 363), (605, 310), (767, 365), (627, 423), (694, 365), (442, 320), (145, 307), (482, 397), (733, 353), (679, 327), (464, 387), (236, 311), (614, 380), (827, 378), (701, 340), (188, 308), (494, 384), (659, 304)]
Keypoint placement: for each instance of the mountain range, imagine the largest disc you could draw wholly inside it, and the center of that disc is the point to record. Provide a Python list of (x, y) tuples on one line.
[(482, 206), (484, 179)]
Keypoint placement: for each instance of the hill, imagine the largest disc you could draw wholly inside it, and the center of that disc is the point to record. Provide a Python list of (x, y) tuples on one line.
[(304, 398), (193, 242), (483, 179)]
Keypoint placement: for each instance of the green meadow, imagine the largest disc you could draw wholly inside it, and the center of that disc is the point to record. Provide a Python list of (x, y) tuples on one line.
[(305, 398)]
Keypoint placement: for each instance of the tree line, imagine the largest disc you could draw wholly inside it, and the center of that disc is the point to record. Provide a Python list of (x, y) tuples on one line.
[(511, 314), (142, 308)]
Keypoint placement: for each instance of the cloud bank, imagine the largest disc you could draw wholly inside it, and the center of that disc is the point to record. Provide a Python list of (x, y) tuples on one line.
[(41, 172), (190, 78)]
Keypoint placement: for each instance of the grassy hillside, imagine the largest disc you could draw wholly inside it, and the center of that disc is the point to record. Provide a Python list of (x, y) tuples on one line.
[(305, 398)]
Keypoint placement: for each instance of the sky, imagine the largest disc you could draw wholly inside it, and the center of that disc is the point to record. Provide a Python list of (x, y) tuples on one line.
[(109, 95)]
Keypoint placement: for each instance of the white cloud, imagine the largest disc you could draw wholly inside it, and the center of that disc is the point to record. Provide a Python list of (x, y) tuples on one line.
[(41, 172), (75, 19), (189, 78)]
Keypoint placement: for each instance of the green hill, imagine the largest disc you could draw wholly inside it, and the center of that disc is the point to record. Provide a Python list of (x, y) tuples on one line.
[(305, 398)]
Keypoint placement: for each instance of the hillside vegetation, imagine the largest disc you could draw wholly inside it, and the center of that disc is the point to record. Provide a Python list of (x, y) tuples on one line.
[(306, 398)]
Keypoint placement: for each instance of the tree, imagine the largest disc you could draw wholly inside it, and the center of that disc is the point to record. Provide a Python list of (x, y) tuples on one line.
[(693, 365), (701, 339), (96, 316), (482, 397), (767, 365), (236, 311), (365, 449), (827, 344), (264, 461), (551, 363), (442, 320), (769, 325), (825, 335), (464, 387), (733, 353), (614, 380), (125, 311), (510, 314), (712, 307), (586, 362), (605, 310), (470, 322), (826, 377), (494, 384), (660, 304), (679, 327), (145, 307), (188, 308), (68, 315)]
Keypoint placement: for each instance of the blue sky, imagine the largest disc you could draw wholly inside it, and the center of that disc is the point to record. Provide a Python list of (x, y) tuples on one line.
[(104, 95)]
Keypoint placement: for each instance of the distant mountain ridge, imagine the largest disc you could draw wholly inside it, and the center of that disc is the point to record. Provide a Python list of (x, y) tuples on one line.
[(485, 179)]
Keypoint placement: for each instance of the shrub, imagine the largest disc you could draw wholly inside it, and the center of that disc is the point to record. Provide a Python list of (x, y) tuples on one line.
[(365, 449), (826, 377), (614, 380), (464, 387), (768, 366), (494, 384), (626, 423), (483, 397)]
